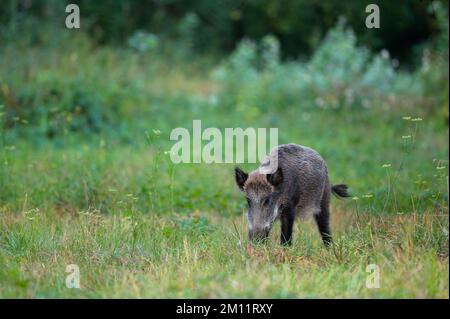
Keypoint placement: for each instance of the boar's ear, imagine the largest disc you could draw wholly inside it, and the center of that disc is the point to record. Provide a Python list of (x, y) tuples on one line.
[(276, 178), (240, 177)]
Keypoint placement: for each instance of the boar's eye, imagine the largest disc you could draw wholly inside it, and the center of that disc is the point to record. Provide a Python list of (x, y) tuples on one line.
[(248, 201), (266, 201)]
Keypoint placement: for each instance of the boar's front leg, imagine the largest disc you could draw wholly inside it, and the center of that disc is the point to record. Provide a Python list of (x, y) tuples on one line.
[(287, 223)]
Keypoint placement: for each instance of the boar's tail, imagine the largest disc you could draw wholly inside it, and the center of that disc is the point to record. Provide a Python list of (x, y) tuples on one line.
[(340, 190)]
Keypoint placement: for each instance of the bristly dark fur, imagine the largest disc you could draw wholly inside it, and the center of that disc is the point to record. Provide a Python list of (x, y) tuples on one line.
[(340, 191)]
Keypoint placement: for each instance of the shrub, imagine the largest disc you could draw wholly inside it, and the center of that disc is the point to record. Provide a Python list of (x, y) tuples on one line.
[(339, 75)]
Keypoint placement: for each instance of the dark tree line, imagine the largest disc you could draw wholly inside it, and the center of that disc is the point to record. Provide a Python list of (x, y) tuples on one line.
[(220, 24)]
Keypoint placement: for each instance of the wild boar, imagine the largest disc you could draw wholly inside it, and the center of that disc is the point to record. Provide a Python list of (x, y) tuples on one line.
[(297, 186)]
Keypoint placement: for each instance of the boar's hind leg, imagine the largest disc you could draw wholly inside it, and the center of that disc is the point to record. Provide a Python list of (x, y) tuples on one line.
[(287, 223), (323, 219), (323, 223)]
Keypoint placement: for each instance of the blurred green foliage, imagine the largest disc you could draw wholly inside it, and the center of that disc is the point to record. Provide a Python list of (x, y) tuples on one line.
[(61, 89), (339, 74), (434, 70), (341, 64)]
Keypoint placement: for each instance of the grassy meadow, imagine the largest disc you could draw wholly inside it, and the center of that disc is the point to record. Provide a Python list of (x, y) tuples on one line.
[(86, 179)]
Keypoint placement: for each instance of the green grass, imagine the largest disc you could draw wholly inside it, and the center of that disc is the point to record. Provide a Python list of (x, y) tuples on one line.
[(139, 226), (206, 255)]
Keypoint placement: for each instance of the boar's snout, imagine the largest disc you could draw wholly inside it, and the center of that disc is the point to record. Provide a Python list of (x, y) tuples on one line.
[(259, 234)]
